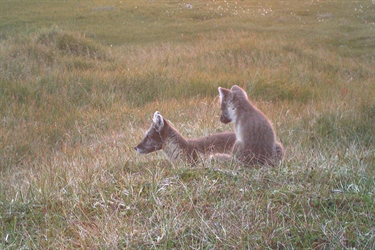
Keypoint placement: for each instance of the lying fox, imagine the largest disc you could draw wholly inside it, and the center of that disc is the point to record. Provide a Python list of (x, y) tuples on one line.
[(256, 139), (161, 135)]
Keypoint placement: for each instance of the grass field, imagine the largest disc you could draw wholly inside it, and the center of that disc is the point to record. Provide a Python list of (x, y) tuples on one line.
[(80, 81)]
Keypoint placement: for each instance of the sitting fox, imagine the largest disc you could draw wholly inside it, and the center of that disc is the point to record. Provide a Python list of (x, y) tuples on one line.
[(161, 135), (256, 139)]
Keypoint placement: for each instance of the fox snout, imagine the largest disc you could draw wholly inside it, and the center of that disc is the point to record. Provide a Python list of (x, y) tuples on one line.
[(147, 146), (224, 119), (137, 149), (140, 150)]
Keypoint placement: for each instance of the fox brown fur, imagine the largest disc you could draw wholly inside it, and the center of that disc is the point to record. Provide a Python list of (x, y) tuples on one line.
[(256, 142), (161, 135)]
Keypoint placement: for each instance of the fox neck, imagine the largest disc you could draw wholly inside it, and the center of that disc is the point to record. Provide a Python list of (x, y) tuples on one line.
[(242, 114), (174, 144)]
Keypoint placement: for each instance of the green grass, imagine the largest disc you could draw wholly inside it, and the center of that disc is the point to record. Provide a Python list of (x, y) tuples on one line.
[(80, 81)]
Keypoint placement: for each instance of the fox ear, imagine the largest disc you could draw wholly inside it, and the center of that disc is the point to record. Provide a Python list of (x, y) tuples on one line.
[(223, 93), (238, 90), (158, 120)]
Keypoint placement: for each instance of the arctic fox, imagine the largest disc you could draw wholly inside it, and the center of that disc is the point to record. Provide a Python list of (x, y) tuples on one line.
[(256, 139), (161, 135)]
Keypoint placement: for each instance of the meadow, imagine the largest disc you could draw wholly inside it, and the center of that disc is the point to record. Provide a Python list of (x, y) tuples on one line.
[(80, 81)]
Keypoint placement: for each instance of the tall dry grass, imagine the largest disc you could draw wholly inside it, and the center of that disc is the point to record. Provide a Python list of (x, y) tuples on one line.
[(72, 108)]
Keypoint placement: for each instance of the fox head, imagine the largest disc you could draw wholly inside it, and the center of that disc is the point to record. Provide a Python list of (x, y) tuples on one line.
[(229, 101), (153, 141)]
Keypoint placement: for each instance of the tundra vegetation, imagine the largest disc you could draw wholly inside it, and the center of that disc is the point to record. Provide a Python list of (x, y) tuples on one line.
[(79, 81)]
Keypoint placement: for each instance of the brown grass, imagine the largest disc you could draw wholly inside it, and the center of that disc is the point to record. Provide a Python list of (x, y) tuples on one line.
[(73, 107)]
